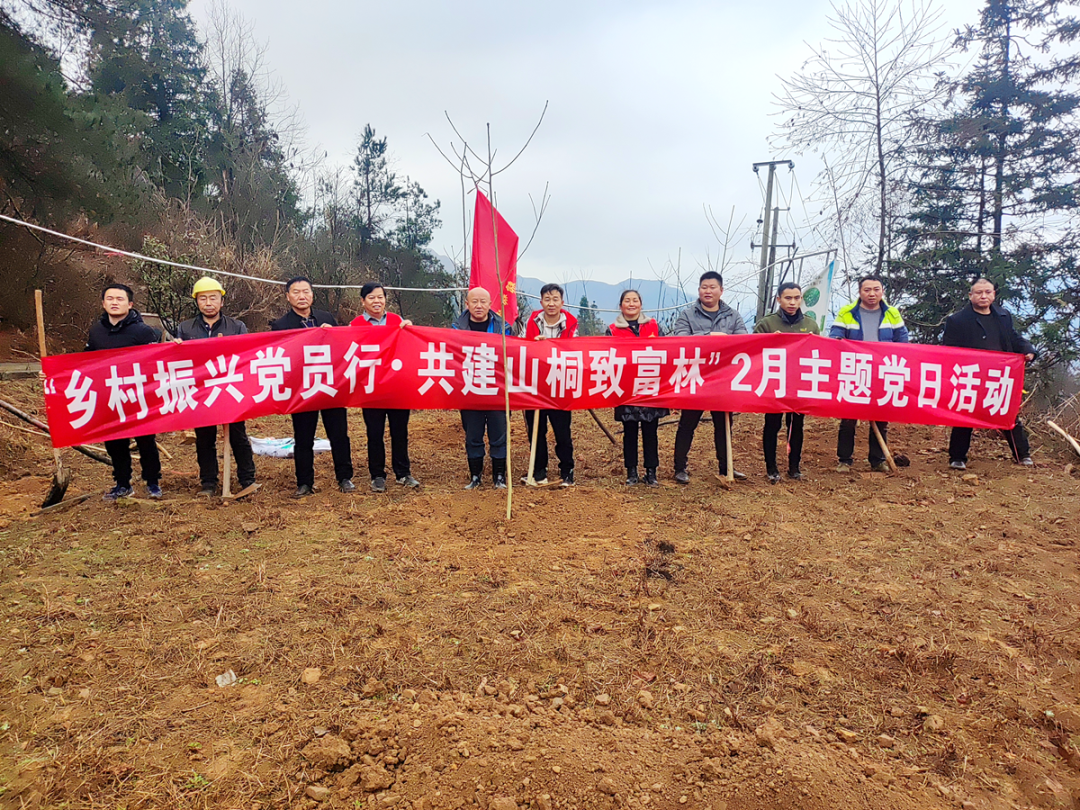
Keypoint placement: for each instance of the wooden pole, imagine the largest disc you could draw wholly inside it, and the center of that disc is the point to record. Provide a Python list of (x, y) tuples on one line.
[(602, 426), (730, 460), (61, 475), (531, 480), (502, 316), (1072, 442), (7, 406), (884, 447), (226, 486)]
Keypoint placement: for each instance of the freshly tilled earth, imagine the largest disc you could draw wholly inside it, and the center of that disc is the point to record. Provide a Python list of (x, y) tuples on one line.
[(860, 640)]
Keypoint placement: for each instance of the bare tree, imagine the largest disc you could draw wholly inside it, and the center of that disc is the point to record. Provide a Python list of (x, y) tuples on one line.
[(853, 103)]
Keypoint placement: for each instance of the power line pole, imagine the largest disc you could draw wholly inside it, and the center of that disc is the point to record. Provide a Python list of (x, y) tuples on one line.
[(764, 279)]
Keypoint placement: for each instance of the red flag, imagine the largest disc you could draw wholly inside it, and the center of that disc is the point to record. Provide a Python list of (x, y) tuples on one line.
[(482, 271)]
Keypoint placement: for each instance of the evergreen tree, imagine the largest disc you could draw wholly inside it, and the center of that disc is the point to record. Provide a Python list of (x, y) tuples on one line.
[(589, 322), (146, 62), (996, 189), (375, 187)]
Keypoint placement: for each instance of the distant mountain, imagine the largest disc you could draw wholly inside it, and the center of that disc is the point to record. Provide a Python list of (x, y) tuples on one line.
[(654, 294)]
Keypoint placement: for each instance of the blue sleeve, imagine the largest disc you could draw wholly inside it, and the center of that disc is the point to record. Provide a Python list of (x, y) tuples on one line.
[(837, 331), (900, 335)]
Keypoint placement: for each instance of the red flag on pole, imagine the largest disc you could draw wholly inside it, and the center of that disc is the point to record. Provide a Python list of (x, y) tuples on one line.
[(482, 272)]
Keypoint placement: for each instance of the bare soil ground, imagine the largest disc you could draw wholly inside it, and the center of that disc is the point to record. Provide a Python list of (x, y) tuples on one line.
[(849, 641)]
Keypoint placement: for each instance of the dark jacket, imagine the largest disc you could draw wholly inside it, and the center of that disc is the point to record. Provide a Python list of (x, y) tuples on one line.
[(777, 322), (129, 332), (495, 324), (696, 320), (964, 330), (290, 320), (224, 327)]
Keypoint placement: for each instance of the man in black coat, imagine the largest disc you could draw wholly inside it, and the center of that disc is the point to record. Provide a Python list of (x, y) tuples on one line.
[(209, 296), (119, 327), (335, 420), (985, 325)]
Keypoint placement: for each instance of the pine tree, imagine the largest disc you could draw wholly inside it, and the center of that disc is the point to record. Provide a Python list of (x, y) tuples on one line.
[(589, 322), (996, 192)]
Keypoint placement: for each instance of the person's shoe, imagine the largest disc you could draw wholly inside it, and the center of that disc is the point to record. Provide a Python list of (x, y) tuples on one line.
[(499, 480), (632, 476), (794, 475), (880, 466), (843, 467), (539, 477), (568, 480), (1027, 462), (304, 490), (773, 476), (209, 490), (154, 491), (347, 486), (117, 492), (377, 484), (650, 477), (738, 476), (957, 465), (475, 482), (682, 477), (408, 481)]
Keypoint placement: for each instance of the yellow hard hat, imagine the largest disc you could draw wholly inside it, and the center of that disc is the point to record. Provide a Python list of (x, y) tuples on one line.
[(205, 285)]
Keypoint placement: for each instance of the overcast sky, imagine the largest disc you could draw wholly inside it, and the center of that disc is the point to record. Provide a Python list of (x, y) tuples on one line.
[(655, 110)]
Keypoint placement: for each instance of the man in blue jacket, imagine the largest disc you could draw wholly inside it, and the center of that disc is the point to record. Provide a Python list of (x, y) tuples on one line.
[(478, 317), (872, 320), (119, 327), (985, 325)]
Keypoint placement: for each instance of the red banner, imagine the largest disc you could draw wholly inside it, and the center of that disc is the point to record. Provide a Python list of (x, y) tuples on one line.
[(166, 387), (482, 272)]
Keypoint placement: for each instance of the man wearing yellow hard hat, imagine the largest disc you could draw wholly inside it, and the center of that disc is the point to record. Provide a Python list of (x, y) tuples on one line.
[(209, 295)]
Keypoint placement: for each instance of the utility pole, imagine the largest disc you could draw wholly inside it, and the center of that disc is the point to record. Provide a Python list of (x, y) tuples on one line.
[(765, 278)]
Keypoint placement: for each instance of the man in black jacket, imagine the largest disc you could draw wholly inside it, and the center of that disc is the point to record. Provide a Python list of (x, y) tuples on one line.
[(119, 327), (210, 323), (335, 420), (985, 325)]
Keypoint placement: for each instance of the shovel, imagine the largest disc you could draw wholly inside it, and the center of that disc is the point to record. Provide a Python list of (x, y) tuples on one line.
[(61, 474)]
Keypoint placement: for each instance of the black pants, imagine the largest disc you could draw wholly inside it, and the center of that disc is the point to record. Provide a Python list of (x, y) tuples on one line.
[(845, 442), (475, 423), (336, 424), (648, 440), (119, 451), (684, 437), (773, 423), (960, 441), (375, 420), (564, 443), (206, 453)]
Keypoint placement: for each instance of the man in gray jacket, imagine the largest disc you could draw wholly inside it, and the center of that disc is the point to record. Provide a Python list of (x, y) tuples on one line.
[(209, 296), (707, 316)]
